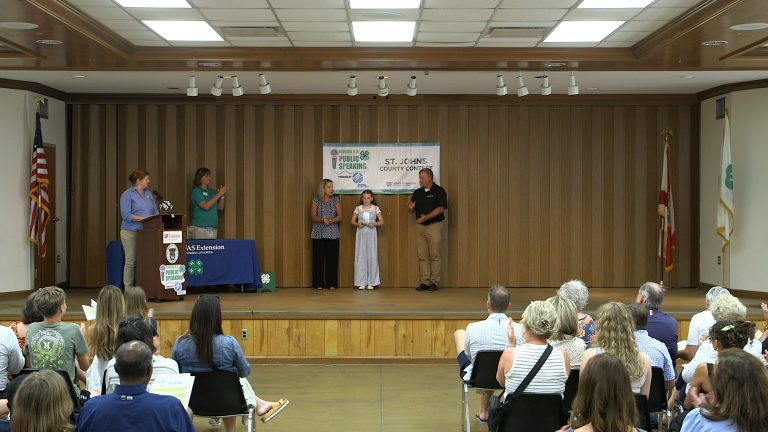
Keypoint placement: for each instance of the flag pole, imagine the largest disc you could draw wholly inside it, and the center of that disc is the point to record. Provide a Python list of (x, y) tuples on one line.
[(666, 133)]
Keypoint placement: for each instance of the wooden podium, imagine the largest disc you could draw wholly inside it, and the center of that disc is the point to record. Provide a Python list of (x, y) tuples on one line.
[(161, 257)]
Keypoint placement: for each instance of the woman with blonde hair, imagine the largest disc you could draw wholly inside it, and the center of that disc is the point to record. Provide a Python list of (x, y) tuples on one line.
[(604, 401), (42, 404), (325, 216), (136, 304), (614, 333), (102, 335), (566, 331)]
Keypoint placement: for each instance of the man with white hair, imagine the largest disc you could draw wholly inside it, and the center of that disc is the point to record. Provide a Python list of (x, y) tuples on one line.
[(700, 324), (661, 326)]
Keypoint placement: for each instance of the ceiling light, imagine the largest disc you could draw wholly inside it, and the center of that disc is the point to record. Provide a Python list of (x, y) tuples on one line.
[(154, 4), (573, 88), (593, 88), (264, 86), (582, 31), (216, 88), (411, 89), (501, 88), (184, 30), (614, 4), (49, 42), (237, 89), (352, 86), (18, 25), (381, 4), (522, 90), (209, 64), (192, 87), (687, 76), (78, 76), (554, 64), (714, 43), (383, 31), (382, 89), (749, 26), (546, 88)]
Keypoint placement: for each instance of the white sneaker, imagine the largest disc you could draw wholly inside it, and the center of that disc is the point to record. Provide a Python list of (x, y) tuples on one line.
[(370, 287), (361, 287)]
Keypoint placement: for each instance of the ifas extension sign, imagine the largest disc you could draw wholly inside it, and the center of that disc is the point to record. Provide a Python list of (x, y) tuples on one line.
[(385, 168)]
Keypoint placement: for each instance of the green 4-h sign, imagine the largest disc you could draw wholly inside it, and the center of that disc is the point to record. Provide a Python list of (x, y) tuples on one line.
[(195, 267)]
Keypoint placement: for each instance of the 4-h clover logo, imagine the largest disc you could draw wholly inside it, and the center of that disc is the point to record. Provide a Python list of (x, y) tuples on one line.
[(365, 155), (265, 278), (195, 267)]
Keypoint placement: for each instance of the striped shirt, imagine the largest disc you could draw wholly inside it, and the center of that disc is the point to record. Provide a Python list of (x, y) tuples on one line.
[(549, 380), (160, 366)]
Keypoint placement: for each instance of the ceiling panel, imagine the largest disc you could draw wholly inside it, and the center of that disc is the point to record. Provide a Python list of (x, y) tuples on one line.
[(452, 26), (622, 36), (636, 25), (315, 26), (319, 36), (166, 14), (258, 43), (529, 14), (538, 4), (78, 3), (568, 44), (459, 4), (138, 34), (522, 23), (322, 44), (308, 4), (507, 44), (601, 14), (384, 15), (511, 39), (244, 23), (675, 3), (653, 14), (456, 14), (445, 44), (155, 43), (311, 14), (238, 14), (106, 12), (199, 44), (616, 44), (447, 37), (128, 24), (227, 4)]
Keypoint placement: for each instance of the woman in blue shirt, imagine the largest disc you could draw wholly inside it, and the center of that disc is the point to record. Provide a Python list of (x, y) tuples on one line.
[(205, 349), (136, 204)]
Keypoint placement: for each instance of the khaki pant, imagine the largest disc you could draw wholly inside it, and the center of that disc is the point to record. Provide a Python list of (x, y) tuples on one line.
[(201, 233), (428, 249), (128, 239)]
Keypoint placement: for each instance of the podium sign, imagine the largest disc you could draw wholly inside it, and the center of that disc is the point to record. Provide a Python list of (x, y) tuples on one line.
[(161, 257)]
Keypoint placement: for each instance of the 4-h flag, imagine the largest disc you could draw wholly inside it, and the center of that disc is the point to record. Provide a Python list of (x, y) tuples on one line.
[(725, 216), (666, 210)]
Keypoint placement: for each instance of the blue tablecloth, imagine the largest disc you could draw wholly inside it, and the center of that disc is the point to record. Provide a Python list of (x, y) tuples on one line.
[(209, 262)]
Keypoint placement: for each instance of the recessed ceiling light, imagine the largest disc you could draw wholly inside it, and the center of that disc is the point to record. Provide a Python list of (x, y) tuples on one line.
[(687, 76), (714, 43), (554, 64), (209, 64), (582, 31), (749, 26), (614, 4), (154, 4), (18, 25), (382, 4), (78, 76), (593, 88), (383, 31), (49, 42), (184, 30)]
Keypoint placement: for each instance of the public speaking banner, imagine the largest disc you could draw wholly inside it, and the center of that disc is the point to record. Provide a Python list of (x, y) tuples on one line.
[(384, 168)]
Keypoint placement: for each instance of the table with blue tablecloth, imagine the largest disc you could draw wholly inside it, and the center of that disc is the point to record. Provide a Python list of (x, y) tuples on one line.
[(209, 262)]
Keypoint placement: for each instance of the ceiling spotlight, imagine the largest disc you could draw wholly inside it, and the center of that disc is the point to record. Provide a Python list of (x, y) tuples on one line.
[(501, 88), (522, 90), (410, 89), (352, 86), (264, 86), (237, 89), (192, 87), (382, 89), (546, 88), (573, 88), (714, 43), (216, 88)]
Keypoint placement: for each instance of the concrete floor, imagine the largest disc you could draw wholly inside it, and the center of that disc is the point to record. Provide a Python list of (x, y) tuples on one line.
[(364, 398)]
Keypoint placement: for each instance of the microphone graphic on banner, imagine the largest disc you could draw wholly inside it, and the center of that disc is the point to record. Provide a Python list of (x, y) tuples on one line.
[(334, 156)]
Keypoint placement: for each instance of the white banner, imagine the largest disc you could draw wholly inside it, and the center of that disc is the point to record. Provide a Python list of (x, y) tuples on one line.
[(389, 168)]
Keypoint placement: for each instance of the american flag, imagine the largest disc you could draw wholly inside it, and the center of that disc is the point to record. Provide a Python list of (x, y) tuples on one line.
[(39, 207)]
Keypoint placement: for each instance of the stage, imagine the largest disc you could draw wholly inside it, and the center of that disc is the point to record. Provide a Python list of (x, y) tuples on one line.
[(389, 325)]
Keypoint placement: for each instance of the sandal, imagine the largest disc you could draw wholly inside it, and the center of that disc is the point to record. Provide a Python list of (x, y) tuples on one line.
[(275, 410)]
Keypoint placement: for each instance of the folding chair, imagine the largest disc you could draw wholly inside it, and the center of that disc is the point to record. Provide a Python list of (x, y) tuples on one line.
[(570, 390), (73, 394), (534, 413), (219, 394), (644, 422), (657, 398), (483, 377)]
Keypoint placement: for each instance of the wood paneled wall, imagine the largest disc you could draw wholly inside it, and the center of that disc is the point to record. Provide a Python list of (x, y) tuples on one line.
[(537, 193)]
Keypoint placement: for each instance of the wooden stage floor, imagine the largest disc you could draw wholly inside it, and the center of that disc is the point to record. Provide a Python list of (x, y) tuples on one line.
[(386, 303)]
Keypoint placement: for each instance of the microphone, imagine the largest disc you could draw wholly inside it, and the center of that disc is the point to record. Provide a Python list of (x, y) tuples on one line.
[(157, 195), (164, 205)]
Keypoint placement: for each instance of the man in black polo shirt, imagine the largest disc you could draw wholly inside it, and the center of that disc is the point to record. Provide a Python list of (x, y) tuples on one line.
[(429, 202)]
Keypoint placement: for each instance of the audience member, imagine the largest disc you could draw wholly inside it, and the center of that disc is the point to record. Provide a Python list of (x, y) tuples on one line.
[(11, 362), (29, 314), (42, 403), (577, 292), (565, 336), (10, 393), (740, 399), (700, 324), (654, 349), (764, 336), (136, 304), (614, 333), (661, 326), (205, 348), (539, 320), (487, 335), (131, 407), (133, 328), (53, 344), (110, 309), (604, 401)]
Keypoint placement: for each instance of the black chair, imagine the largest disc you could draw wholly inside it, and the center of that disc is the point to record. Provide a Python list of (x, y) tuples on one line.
[(570, 390), (483, 377), (73, 392), (219, 394), (644, 417), (534, 413), (657, 398)]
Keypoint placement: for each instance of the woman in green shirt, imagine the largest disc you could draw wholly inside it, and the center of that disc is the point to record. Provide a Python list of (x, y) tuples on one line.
[(206, 205)]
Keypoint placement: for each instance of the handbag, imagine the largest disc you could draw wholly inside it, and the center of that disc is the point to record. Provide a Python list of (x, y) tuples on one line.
[(497, 409)]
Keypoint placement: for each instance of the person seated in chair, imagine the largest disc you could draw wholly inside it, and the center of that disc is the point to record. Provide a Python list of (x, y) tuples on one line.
[(487, 335), (131, 407), (539, 320)]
